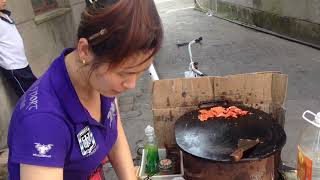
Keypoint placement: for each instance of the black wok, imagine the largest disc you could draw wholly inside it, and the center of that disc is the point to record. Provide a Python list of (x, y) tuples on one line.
[(215, 139)]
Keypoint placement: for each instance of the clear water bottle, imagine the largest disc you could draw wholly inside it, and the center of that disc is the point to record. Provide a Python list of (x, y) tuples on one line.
[(308, 166), (151, 149)]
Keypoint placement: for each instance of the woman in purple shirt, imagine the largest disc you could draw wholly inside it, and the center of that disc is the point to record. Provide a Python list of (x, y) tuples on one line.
[(68, 122)]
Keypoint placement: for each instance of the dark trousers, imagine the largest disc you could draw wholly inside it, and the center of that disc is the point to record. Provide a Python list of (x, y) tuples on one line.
[(19, 79)]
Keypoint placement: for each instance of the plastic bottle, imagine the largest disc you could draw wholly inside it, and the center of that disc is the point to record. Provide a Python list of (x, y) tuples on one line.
[(151, 149), (308, 167)]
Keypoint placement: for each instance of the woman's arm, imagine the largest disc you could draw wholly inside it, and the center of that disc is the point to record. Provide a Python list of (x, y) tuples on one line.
[(120, 156), (31, 172)]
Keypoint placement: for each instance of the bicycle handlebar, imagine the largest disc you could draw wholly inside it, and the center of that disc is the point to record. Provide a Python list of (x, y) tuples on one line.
[(198, 40)]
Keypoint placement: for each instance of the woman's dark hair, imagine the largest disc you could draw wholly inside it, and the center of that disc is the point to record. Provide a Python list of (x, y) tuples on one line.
[(116, 29)]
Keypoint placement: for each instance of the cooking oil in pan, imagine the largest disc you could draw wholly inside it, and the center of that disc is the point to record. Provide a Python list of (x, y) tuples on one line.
[(308, 166)]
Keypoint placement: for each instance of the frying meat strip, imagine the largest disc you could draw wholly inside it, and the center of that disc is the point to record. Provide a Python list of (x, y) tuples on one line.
[(231, 112)]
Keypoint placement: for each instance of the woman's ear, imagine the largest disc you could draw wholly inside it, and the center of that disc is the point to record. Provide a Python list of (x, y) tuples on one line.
[(84, 50)]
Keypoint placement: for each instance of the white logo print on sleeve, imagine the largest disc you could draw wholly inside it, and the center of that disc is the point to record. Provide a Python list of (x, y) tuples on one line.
[(42, 150), (33, 99), (111, 113)]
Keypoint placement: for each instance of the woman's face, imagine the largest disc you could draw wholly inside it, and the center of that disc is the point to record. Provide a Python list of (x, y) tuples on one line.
[(3, 4), (112, 81)]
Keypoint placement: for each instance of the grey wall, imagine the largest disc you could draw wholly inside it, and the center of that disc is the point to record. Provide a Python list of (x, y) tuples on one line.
[(298, 19), (44, 38), (302, 9)]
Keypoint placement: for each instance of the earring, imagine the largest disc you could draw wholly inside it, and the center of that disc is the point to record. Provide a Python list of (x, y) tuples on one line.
[(83, 61)]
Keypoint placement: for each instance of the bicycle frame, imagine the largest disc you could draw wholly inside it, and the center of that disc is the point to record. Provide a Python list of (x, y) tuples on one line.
[(153, 73)]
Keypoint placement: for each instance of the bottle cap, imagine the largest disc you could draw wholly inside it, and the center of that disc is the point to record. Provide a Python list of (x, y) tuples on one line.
[(149, 130), (314, 121)]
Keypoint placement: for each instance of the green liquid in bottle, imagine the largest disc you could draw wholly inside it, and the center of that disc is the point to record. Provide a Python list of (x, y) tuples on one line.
[(152, 161)]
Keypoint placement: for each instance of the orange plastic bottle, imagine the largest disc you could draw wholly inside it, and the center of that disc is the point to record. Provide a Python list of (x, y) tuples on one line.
[(308, 167)]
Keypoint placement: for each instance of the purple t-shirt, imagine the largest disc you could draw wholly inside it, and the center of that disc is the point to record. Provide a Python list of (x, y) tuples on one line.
[(50, 127)]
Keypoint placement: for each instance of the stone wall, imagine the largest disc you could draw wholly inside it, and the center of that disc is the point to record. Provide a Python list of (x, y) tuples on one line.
[(299, 19)]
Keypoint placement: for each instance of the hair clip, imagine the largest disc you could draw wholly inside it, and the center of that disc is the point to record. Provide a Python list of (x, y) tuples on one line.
[(93, 1), (99, 3), (100, 33)]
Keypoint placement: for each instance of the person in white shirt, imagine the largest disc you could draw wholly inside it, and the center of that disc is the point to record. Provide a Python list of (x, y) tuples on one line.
[(13, 61)]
